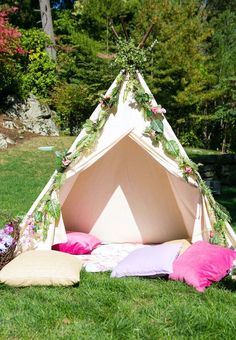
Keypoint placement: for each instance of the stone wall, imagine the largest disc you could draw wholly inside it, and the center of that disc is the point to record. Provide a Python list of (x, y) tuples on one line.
[(218, 167)]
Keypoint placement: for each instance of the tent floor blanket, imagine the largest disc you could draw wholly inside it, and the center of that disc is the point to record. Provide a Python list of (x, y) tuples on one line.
[(107, 256)]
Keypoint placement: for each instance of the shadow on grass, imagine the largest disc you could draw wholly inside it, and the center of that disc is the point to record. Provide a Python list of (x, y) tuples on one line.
[(228, 200), (228, 284)]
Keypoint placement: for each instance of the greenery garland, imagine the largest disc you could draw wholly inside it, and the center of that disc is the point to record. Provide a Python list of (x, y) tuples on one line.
[(155, 131)]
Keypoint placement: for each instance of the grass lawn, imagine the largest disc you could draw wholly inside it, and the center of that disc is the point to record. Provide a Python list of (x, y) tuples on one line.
[(102, 308)]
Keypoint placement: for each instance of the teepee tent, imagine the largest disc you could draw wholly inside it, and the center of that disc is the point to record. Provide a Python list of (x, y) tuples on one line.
[(126, 178)]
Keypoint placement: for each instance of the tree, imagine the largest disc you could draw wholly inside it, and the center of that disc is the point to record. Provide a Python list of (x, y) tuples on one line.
[(223, 51), (46, 18)]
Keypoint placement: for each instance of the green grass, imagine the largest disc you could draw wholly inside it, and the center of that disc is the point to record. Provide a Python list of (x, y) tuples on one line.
[(24, 170), (103, 308), (193, 152)]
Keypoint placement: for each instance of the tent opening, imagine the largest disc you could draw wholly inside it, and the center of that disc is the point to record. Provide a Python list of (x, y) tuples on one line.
[(127, 196)]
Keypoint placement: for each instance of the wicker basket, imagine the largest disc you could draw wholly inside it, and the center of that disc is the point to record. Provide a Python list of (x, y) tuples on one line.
[(8, 255)]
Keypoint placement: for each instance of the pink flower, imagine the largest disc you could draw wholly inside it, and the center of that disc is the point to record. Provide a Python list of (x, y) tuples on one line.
[(32, 227), (105, 101), (158, 109), (66, 162), (188, 170), (154, 109), (30, 221), (211, 234), (8, 229), (107, 97)]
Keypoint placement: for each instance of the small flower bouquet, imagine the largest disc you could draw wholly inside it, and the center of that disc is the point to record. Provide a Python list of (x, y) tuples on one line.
[(9, 236)]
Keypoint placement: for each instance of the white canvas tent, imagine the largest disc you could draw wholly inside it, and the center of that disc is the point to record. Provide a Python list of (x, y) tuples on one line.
[(126, 189)]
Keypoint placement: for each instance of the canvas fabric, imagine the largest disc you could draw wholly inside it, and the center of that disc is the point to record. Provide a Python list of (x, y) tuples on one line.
[(127, 190)]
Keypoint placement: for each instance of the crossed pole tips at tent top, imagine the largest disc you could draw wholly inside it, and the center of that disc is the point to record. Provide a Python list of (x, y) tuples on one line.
[(141, 44), (146, 35)]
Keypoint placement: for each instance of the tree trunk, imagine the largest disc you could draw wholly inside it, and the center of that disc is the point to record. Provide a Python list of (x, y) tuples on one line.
[(46, 18), (224, 144)]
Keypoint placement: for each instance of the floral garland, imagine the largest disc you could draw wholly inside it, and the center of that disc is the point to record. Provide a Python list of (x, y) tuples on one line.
[(48, 210)]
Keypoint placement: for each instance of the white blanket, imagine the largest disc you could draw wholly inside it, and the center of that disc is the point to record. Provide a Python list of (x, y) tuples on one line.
[(106, 257)]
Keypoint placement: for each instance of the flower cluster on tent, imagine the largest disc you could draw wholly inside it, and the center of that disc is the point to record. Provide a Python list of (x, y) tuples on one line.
[(126, 178)]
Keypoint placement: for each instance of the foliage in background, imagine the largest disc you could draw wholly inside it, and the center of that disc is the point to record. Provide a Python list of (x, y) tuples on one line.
[(72, 103), (83, 75), (25, 66), (191, 71), (10, 51), (9, 36), (223, 48), (39, 71)]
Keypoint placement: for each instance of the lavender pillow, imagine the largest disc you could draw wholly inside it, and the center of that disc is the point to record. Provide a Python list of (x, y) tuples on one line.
[(148, 261)]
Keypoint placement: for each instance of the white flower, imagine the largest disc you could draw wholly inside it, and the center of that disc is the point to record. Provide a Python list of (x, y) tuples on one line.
[(2, 248)]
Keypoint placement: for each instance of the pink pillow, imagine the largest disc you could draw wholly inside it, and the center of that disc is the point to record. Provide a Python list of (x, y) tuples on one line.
[(78, 243), (202, 264)]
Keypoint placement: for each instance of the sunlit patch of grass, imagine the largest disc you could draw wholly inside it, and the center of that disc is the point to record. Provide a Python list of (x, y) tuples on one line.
[(24, 170), (193, 152)]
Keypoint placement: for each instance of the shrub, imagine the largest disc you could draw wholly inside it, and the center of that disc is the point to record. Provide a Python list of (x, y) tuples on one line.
[(190, 139), (10, 50), (39, 70), (72, 104)]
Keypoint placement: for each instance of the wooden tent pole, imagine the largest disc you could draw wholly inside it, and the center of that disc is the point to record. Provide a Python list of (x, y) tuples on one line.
[(146, 36), (124, 27), (114, 31)]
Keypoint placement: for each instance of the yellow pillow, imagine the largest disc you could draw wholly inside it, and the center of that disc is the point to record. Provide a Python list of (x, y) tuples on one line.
[(42, 268), (185, 244)]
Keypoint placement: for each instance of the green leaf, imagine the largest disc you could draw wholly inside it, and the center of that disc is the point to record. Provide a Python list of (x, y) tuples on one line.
[(171, 148), (53, 208), (149, 113), (58, 181), (45, 229), (38, 216), (101, 123), (157, 125), (88, 126)]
